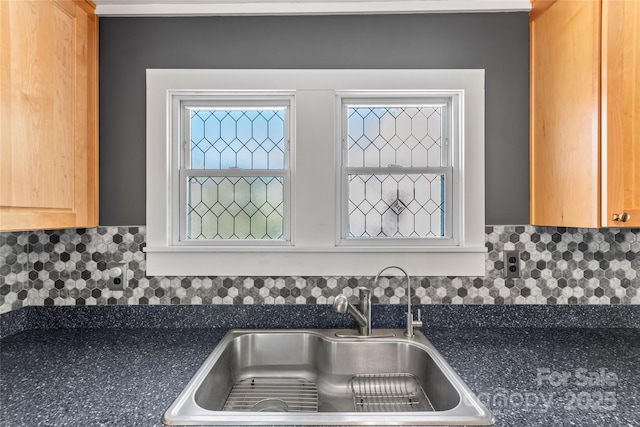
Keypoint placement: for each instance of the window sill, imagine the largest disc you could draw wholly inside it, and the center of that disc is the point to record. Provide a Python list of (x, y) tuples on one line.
[(313, 261)]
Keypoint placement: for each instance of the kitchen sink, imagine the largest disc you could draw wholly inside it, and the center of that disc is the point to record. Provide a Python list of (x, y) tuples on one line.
[(327, 377)]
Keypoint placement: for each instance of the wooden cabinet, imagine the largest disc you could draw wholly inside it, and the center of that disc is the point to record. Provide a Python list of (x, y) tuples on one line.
[(585, 113), (48, 115), (621, 110)]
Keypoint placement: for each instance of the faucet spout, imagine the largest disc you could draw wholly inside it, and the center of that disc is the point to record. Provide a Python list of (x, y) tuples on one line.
[(410, 322)]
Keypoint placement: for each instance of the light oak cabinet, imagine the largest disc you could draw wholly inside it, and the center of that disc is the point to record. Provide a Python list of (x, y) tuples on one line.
[(585, 113), (48, 115)]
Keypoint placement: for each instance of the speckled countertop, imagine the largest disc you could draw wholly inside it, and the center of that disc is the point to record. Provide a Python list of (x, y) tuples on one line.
[(87, 375)]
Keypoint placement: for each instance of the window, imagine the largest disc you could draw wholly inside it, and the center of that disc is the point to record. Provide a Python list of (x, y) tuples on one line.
[(397, 169), (234, 172), (315, 172)]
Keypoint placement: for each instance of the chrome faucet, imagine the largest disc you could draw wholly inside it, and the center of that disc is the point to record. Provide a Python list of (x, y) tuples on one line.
[(410, 322), (362, 316)]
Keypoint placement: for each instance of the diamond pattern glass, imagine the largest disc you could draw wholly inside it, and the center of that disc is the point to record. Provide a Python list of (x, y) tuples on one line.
[(243, 138), (232, 205), (396, 205), (399, 136), (235, 208), (408, 201)]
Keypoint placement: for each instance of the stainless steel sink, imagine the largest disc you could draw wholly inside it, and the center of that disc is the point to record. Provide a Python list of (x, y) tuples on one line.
[(291, 377)]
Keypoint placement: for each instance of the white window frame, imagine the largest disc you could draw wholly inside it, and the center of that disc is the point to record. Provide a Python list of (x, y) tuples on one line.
[(181, 102), (451, 128), (314, 249)]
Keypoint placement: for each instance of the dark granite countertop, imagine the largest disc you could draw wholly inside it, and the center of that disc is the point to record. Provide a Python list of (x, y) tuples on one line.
[(123, 376)]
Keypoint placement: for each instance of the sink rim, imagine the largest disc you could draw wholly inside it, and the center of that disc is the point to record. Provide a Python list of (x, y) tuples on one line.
[(469, 409)]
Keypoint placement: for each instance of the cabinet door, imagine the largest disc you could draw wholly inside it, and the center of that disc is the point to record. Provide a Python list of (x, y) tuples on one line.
[(48, 141), (565, 91), (621, 112)]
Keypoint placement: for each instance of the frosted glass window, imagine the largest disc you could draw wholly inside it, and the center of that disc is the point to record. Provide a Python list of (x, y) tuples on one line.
[(396, 171), (235, 176), (409, 205), (235, 208)]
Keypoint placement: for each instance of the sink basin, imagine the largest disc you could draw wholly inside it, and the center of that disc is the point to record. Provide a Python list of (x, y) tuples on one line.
[(328, 377)]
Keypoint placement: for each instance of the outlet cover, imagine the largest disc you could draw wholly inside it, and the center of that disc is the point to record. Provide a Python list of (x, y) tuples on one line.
[(117, 276), (512, 264)]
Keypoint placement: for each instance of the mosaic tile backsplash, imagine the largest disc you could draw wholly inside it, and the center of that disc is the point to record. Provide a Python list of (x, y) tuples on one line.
[(558, 266)]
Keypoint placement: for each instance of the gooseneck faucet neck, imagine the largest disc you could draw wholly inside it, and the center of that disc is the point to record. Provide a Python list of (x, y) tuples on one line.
[(410, 322)]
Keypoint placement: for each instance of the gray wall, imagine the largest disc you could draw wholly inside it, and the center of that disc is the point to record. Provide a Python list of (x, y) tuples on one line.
[(497, 42)]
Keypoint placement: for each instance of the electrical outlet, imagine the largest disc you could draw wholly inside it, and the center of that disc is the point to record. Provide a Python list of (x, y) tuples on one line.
[(117, 276), (512, 264)]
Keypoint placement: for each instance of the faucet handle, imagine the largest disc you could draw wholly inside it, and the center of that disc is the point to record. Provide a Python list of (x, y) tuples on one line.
[(340, 304)]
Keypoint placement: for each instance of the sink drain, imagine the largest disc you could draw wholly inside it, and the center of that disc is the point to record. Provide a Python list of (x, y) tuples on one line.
[(271, 405), (273, 395)]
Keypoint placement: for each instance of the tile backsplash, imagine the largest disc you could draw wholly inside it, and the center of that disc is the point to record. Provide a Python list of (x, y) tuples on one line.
[(558, 266)]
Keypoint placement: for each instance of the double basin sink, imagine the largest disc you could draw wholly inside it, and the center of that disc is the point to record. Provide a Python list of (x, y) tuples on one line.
[(327, 377)]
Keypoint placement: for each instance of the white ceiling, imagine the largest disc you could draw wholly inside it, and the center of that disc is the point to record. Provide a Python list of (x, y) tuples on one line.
[(301, 7)]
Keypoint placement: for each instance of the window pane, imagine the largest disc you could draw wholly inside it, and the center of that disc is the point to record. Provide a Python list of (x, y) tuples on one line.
[(237, 138), (403, 136), (398, 205), (235, 208)]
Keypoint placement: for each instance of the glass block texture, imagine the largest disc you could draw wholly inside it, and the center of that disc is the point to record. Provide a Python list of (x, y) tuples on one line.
[(235, 208), (247, 139), (401, 136), (396, 205)]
